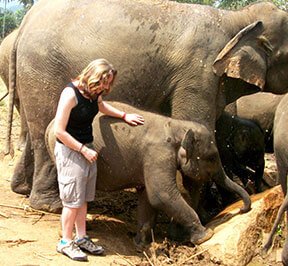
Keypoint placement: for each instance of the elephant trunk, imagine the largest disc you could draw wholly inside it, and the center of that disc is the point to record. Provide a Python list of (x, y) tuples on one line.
[(224, 181), (12, 85)]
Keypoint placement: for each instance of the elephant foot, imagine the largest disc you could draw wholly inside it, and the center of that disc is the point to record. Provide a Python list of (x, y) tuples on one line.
[(143, 238), (180, 233), (49, 203), (23, 189), (140, 246), (198, 239), (21, 184)]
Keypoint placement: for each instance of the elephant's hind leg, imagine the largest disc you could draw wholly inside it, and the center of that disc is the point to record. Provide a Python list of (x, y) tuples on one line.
[(23, 174)]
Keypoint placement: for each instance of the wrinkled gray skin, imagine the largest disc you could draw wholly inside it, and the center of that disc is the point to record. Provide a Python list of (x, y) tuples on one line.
[(5, 51), (281, 155), (241, 147), (186, 61), (259, 107), (147, 157)]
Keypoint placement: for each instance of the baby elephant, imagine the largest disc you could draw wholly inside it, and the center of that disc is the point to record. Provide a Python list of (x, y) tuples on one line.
[(147, 157), (242, 149), (281, 154)]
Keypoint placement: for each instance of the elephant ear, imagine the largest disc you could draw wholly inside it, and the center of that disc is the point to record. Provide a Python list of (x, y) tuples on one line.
[(188, 143), (245, 56)]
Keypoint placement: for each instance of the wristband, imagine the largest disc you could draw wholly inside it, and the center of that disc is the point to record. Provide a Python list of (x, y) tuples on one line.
[(124, 116), (81, 148)]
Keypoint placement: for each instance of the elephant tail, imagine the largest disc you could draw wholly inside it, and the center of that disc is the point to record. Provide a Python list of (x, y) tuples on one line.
[(12, 91), (12, 83), (282, 209)]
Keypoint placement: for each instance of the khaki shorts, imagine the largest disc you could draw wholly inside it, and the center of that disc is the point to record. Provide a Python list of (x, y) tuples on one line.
[(76, 176)]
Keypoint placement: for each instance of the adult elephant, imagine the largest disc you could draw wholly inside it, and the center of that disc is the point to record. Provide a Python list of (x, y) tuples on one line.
[(183, 60), (281, 154), (5, 51)]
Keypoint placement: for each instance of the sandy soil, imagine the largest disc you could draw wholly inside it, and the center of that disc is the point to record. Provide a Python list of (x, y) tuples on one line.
[(29, 237)]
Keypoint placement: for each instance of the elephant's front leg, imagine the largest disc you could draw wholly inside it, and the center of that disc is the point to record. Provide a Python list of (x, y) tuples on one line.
[(146, 218), (164, 195)]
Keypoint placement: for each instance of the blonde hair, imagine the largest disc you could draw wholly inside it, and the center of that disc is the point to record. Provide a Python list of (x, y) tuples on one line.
[(98, 70)]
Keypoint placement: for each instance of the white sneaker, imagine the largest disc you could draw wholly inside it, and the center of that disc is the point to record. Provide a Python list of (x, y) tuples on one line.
[(71, 250), (87, 244)]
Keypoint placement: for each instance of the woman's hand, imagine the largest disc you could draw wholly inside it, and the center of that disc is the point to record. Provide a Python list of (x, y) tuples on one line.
[(90, 154), (133, 119)]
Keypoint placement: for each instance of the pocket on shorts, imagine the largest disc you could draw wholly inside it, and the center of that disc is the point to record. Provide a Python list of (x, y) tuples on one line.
[(67, 188)]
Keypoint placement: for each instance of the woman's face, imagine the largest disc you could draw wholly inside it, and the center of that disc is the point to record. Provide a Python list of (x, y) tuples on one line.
[(103, 86)]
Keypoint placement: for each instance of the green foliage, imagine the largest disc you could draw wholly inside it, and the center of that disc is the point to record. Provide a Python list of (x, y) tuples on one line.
[(279, 230), (236, 4), (202, 2), (10, 20), (19, 15), (233, 4), (7, 22), (25, 3)]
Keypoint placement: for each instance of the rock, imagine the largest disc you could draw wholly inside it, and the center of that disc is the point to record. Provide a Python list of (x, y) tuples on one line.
[(270, 171), (238, 237)]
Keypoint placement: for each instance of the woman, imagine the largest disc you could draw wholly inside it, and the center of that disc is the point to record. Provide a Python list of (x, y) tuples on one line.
[(76, 158)]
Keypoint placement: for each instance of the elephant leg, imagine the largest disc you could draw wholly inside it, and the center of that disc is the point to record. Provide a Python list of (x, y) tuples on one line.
[(146, 218), (259, 172), (23, 173), (282, 173), (196, 194), (282, 176), (164, 195), (192, 192), (44, 194)]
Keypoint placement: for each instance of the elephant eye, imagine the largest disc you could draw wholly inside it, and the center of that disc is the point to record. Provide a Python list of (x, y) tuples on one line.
[(211, 158)]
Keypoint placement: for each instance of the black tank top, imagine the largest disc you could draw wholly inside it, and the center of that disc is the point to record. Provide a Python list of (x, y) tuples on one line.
[(81, 117)]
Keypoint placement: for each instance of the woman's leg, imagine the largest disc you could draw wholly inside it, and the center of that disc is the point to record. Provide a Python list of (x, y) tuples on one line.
[(68, 220), (80, 221)]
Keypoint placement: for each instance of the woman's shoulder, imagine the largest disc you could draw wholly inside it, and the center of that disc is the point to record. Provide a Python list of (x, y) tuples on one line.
[(68, 92)]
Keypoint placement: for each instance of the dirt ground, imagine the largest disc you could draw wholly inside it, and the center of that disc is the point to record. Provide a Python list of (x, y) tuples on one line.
[(29, 237)]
